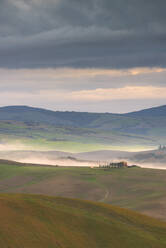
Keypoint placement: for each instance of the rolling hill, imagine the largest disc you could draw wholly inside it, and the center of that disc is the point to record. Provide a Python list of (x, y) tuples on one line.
[(103, 121), (142, 190), (151, 112), (82, 132), (42, 221)]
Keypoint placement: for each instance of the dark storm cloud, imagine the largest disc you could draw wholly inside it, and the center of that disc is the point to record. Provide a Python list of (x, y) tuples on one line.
[(86, 33)]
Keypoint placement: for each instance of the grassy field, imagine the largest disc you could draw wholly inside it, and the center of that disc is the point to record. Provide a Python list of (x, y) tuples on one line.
[(138, 189), (34, 221)]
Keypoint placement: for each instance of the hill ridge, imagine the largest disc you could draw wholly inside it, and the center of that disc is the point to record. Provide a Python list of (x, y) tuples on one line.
[(71, 111)]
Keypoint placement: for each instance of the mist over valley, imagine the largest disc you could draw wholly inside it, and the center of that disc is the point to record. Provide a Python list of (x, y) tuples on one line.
[(41, 136)]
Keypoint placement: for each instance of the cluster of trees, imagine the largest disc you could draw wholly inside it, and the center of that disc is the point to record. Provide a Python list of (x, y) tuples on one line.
[(115, 165), (162, 147)]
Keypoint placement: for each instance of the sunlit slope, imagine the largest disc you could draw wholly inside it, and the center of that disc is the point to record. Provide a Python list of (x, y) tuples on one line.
[(41, 221)]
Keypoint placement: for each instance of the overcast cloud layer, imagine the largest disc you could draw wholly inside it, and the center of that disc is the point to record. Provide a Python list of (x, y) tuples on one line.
[(96, 90), (83, 55), (82, 33)]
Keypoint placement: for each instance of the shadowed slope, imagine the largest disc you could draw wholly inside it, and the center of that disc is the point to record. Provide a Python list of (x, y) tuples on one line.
[(41, 221)]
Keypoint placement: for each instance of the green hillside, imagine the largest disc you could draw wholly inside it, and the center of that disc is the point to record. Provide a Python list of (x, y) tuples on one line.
[(41, 221), (37, 136), (80, 132), (142, 190)]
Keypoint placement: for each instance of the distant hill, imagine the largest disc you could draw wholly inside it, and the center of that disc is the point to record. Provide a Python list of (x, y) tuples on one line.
[(103, 155), (151, 112), (85, 119), (54, 157), (78, 119), (42, 221), (151, 157), (100, 130), (29, 114)]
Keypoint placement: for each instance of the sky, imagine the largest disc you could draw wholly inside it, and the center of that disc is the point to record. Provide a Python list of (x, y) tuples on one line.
[(83, 55)]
